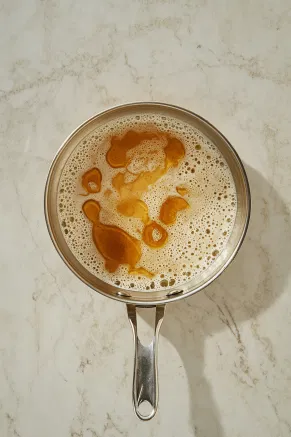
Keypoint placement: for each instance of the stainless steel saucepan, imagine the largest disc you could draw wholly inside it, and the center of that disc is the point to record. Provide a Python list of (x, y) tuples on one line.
[(145, 378)]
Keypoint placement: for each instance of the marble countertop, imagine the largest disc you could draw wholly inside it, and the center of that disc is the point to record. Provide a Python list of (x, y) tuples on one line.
[(66, 353)]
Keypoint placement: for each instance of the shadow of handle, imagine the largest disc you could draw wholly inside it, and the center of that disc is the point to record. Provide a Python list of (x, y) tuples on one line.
[(145, 372)]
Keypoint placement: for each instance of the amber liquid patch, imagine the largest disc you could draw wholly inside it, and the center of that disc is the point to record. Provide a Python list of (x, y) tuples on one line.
[(91, 181), (170, 209), (114, 244)]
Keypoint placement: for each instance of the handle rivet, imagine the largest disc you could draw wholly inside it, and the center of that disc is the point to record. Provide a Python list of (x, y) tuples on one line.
[(174, 292)]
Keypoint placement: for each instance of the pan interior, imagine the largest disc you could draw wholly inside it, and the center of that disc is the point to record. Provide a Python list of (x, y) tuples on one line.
[(169, 293)]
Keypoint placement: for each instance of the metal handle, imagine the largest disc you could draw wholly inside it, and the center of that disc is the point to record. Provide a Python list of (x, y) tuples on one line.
[(145, 373)]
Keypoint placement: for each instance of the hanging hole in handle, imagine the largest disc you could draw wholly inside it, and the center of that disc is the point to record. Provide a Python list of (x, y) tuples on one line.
[(145, 411), (145, 408)]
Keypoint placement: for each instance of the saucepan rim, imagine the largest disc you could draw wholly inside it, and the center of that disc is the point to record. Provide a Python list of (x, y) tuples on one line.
[(120, 294)]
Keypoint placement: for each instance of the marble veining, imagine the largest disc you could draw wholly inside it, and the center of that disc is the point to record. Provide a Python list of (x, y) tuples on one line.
[(65, 352)]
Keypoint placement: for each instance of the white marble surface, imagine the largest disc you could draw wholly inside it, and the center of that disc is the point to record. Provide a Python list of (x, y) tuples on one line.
[(66, 352)]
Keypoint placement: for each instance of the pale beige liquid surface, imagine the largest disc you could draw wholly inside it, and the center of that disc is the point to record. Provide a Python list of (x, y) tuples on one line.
[(200, 231)]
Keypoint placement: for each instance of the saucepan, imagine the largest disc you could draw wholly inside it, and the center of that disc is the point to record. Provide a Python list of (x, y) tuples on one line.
[(145, 378)]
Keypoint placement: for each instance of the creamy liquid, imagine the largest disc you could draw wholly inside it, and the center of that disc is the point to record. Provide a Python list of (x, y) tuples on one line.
[(153, 185)]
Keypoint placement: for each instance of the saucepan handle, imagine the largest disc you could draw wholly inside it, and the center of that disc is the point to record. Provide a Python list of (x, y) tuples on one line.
[(145, 372)]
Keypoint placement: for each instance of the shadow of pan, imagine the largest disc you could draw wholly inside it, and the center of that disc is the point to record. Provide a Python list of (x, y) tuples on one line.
[(250, 285)]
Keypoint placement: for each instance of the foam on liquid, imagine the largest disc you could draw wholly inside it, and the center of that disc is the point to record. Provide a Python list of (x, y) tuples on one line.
[(203, 179)]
